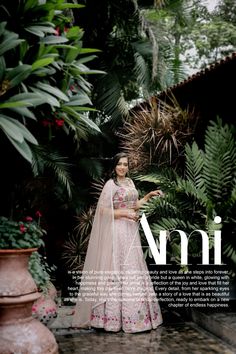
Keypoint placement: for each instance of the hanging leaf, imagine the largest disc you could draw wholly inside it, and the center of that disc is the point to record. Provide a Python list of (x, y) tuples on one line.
[(23, 148), (18, 74), (11, 129), (54, 40), (42, 62), (53, 90)]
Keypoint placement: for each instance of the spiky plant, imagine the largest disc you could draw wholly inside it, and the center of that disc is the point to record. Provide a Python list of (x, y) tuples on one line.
[(157, 134), (85, 221), (73, 252), (207, 189), (74, 249)]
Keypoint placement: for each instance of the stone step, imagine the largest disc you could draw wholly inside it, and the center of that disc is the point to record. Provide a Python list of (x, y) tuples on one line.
[(222, 325)]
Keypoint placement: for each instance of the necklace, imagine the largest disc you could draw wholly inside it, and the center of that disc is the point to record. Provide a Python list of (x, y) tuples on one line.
[(124, 182)]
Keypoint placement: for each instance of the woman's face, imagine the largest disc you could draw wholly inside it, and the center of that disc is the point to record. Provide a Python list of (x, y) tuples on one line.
[(122, 167)]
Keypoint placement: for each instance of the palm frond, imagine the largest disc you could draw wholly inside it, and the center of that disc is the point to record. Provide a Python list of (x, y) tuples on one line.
[(92, 167), (44, 158), (110, 92), (97, 187)]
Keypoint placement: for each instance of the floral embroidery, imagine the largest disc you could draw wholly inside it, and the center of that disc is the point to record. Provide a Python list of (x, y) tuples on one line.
[(125, 197), (137, 316), (136, 321)]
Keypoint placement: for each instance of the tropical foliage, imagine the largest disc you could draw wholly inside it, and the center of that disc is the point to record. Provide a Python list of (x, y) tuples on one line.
[(43, 65), (44, 102), (45, 105), (195, 36), (134, 59), (206, 190)]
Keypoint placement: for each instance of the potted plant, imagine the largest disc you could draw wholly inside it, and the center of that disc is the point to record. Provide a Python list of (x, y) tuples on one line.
[(18, 239), (44, 309), (18, 290), (21, 234)]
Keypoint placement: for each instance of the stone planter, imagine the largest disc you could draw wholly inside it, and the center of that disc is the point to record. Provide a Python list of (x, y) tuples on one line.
[(19, 332)]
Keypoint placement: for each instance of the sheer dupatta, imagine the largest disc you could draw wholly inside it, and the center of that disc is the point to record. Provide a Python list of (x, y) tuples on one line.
[(100, 258)]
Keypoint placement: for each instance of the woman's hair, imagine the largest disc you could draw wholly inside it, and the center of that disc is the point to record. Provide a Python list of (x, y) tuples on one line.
[(115, 161)]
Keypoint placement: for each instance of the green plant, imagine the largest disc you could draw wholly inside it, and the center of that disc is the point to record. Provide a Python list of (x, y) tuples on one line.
[(20, 234), (43, 89), (157, 134), (137, 57), (207, 189), (40, 271)]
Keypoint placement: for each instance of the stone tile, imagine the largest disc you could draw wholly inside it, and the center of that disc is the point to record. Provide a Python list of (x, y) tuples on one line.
[(172, 339)]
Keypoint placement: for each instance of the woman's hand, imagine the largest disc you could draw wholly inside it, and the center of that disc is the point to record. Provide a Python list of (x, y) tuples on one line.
[(156, 193), (145, 199), (132, 215)]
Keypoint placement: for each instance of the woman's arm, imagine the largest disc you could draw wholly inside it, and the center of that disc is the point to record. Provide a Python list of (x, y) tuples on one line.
[(148, 196)]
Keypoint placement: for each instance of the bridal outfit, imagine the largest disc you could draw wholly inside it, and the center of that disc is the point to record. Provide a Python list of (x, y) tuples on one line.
[(129, 301)]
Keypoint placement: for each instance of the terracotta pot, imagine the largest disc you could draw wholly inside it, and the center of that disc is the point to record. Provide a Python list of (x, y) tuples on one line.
[(19, 332), (15, 279)]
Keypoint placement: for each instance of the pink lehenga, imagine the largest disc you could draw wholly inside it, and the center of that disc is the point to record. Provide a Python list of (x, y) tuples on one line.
[(116, 291)]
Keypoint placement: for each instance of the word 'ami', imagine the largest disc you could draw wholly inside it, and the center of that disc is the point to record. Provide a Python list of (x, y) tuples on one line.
[(160, 256)]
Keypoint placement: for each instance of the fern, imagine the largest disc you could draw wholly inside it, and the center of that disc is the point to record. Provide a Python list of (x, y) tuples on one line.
[(188, 187), (164, 177), (173, 224), (141, 70), (219, 167), (161, 207), (194, 164)]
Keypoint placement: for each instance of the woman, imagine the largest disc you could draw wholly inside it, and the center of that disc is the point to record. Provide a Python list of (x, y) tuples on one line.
[(116, 291)]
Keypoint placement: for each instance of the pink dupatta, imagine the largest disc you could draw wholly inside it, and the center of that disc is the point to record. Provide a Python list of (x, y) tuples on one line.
[(100, 258)]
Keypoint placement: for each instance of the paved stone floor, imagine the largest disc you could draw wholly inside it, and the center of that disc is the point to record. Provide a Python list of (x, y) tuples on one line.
[(175, 336)]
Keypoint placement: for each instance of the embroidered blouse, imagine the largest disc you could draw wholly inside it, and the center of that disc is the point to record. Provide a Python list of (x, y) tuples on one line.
[(126, 196)]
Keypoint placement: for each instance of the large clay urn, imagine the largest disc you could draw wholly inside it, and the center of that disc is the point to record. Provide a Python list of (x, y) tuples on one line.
[(19, 332)]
